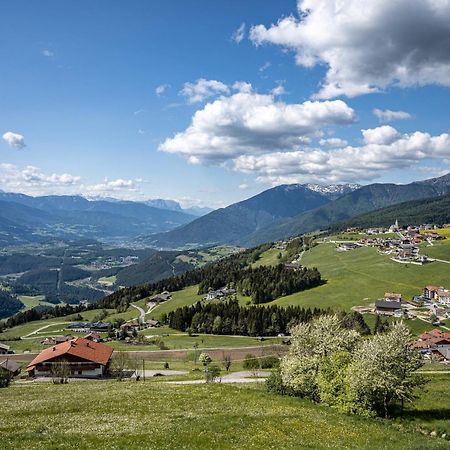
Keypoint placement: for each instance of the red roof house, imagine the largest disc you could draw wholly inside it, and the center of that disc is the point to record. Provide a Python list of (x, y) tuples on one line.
[(85, 358)]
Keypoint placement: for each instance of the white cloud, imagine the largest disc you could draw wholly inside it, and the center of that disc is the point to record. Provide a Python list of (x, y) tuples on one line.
[(14, 140), (367, 45), (203, 89), (33, 181), (243, 186), (278, 90), (110, 187), (384, 149), (388, 116), (47, 53), (381, 135), (239, 34), (159, 90), (265, 66), (248, 123), (333, 142)]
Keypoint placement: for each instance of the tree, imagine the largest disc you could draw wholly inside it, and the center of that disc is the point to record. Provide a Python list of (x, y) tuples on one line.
[(212, 372), (60, 371), (312, 343), (226, 362), (120, 362), (383, 369), (205, 359)]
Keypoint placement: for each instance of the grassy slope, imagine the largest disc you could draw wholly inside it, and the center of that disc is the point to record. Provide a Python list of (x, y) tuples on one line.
[(190, 417), (359, 277), (439, 249)]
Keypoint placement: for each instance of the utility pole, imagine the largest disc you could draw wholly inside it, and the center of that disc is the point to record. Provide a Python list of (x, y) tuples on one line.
[(143, 369)]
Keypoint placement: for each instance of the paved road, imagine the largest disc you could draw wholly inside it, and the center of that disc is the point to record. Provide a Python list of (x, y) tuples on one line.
[(165, 372), (245, 376), (141, 317), (33, 333)]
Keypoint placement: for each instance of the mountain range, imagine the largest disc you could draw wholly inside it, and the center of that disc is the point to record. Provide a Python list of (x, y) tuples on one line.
[(27, 219), (289, 210), (276, 213)]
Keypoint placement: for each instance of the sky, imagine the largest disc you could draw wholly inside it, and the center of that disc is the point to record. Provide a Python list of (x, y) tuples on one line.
[(210, 102)]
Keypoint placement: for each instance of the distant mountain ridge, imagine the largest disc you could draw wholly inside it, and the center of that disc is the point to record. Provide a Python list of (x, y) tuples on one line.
[(431, 210), (290, 210), (242, 219), (333, 191), (26, 219)]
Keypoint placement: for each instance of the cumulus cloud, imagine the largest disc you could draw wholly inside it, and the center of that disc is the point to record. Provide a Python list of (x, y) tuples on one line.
[(243, 186), (161, 89), (48, 53), (367, 45), (239, 34), (203, 89), (33, 181), (333, 142), (388, 116), (278, 90), (249, 123), (14, 140), (384, 149), (110, 187)]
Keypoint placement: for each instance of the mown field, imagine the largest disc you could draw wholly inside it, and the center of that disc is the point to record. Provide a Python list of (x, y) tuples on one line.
[(111, 414), (439, 249), (361, 276)]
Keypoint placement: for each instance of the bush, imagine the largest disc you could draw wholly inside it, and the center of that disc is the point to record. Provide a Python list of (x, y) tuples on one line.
[(211, 373), (269, 362), (274, 384), (5, 378), (251, 362)]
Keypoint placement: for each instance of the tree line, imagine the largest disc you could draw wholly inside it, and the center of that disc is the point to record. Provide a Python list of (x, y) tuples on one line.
[(230, 318)]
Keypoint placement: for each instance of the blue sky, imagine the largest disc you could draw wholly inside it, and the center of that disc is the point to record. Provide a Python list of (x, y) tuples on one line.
[(81, 112)]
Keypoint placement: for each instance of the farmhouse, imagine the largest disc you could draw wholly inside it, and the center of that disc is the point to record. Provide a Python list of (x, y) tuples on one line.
[(430, 292), (220, 293), (392, 297), (432, 340), (388, 308), (162, 297), (4, 349), (83, 357), (10, 367), (443, 296)]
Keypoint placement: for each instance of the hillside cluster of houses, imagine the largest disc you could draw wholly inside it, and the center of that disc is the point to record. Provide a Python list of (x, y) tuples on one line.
[(435, 345), (435, 298), (402, 248)]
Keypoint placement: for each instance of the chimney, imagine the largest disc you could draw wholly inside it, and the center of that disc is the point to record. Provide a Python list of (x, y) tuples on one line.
[(53, 348)]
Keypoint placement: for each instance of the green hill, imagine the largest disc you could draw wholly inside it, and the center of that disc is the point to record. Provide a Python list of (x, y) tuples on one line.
[(434, 210)]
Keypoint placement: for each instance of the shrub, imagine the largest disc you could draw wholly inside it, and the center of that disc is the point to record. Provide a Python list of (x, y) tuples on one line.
[(269, 362), (251, 362)]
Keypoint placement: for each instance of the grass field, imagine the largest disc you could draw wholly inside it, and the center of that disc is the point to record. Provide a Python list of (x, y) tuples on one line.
[(269, 258), (359, 277), (439, 249), (107, 281), (110, 414), (32, 301)]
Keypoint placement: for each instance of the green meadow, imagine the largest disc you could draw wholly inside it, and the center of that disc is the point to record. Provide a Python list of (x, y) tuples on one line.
[(129, 414)]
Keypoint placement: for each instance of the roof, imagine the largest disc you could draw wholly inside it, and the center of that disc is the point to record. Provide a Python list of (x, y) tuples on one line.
[(80, 347), (7, 364), (388, 304), (443, 293), (392, 295), (433, 288)]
